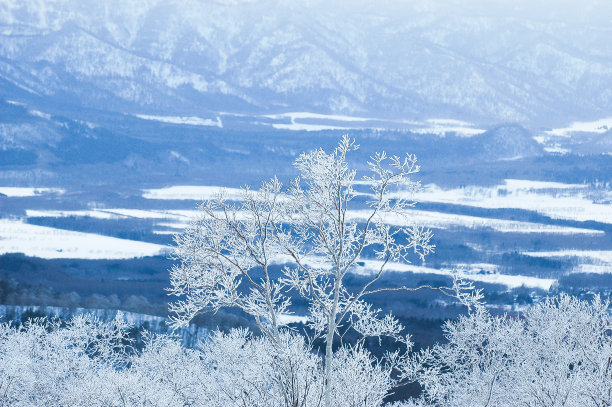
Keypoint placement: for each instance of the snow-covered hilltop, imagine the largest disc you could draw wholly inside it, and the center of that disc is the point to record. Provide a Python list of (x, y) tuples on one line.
[(399, 61)]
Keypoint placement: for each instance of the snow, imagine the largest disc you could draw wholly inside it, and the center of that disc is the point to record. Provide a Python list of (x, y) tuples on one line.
[(285, 319), (52, 243), (191, 192), (114, 213), (432, 126), (472, 272), (190, 120), (40, 114), (523, 184), (177, 219), (601, 256), (307, 127), (590, 261), (556, 200), (308, 115), (145, 214), (484, 273), (441, 127), (593, 269), (556, 149), (98, 214), (596, 126), (15, 192), (441, 220)]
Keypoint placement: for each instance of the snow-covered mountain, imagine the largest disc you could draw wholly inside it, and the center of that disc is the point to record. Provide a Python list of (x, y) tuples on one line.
[(515, 62)]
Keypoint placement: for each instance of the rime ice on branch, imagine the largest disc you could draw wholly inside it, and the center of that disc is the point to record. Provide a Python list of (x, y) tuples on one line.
[(225, 254)]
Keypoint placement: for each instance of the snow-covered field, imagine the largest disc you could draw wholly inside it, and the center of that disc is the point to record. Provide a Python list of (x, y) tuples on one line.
[(556, 200), (19, 192), (306, 121), (189, 120), (292, 319), (604, 256), (52, 243), (441, 220), (177, 219), (475, 272), (553, 199), (592, 127), (192, 192), (308, 115)]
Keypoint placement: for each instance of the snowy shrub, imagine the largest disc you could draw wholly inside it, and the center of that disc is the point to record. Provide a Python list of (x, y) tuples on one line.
[(44, 364), (558, 353)]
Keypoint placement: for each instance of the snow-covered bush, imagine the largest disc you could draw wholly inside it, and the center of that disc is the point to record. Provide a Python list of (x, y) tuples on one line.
[(559, 353), (45, 364), (88, 362)]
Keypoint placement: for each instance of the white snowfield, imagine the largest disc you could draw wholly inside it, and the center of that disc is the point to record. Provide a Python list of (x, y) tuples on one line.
[(556, 200), (190, 120), (116, 213), (441, 127), (307, 127), (485, 273), (98, 214), (602, 257), (46, 242), (590, 261), (474, 272), (18, 192), (192, 192), (285, 319), (52, 243), (593, 127), (438, 127), (178, 219), (593, 269), (441, 220), (308, 115)]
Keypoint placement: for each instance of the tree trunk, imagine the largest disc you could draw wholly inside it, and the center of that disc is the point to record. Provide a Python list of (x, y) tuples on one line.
[(329, 352), (329, 341)]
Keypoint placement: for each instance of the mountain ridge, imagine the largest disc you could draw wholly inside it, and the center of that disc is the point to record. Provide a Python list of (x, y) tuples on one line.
[(394, 62)]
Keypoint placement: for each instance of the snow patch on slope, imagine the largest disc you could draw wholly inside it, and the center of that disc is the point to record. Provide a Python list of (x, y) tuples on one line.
[(19, 192), (192, 192), (52, 243), (189, 120), (556, 200), (593, 127)]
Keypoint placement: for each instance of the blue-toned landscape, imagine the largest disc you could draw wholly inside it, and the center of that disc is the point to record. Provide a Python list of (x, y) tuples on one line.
[(117, 119)]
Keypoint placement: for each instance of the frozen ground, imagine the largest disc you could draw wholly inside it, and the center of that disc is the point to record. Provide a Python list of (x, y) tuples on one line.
[(595, 126), (484, 238), (14, 192), (189, 120), (556, 200), (474, 272), (192, 192), (52, 243)]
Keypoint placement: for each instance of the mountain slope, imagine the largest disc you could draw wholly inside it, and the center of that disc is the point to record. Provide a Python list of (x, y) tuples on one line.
[(392, 60)]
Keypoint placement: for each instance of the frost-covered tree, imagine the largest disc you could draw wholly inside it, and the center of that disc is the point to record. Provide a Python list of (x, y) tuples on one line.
[(558, 353), (321, 226), (89, 362), (45, 364)]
